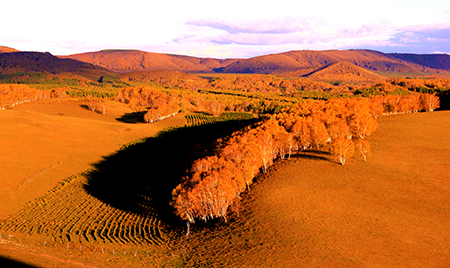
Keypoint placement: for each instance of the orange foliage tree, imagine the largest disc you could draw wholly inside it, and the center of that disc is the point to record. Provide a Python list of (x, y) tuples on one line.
[(430, 102), (343, 147), (363, 148), (14, 94), (215, 183), (160, 105)]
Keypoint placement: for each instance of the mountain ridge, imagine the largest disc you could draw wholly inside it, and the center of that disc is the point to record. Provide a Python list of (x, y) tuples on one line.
[(435, 61), (295, 63), (309, 60), (123, 61), (47, 63)]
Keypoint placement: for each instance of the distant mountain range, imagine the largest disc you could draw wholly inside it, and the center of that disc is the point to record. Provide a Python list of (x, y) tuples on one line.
[(307, 60), (134, 60), (368, 64)]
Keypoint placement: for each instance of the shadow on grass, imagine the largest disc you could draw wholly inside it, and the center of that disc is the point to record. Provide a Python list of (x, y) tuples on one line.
[(444, 97), (86, 107), (139, 178), (132, 118), (313, 155), (6, 262)]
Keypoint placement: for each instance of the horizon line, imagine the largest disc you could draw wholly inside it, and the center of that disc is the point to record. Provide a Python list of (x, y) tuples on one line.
[(209, 57)]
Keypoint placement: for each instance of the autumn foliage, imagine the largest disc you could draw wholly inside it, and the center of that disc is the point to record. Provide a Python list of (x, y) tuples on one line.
[(13, 94), (159, 105), (340, 126)]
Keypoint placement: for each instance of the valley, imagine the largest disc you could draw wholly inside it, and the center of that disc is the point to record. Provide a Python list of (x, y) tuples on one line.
[(126, 158)]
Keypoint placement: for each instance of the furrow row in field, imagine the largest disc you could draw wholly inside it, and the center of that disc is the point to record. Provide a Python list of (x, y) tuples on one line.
[(69, 214), (106, 227), (198, 119)]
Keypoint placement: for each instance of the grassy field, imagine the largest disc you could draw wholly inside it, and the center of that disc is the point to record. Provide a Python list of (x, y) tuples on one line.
[(391, 211), (119, 204), (42, 144)]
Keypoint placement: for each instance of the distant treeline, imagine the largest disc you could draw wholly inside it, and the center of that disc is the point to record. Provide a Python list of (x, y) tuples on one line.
[(12, 94), (108, 85)]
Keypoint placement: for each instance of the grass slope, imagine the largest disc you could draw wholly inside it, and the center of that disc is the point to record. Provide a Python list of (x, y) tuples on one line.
[(57, 141), (392, 211)]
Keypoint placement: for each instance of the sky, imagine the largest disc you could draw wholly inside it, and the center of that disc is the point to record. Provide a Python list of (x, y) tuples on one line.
[(226, 29)]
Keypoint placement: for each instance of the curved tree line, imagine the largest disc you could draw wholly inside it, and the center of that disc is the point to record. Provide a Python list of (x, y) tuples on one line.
[(160, 105), (13, 94), (341, 126)]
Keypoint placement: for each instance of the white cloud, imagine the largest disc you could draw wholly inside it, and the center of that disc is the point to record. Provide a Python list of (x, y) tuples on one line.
[(233, 29), (300, 33)]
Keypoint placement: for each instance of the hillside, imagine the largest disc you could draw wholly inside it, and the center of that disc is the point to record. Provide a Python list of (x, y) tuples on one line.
[(309, 211), (345, 72), (313, 60), (135, 60), (301, 61), (335, 66), (47, 63), (7, 49), (390, 211), (436, 61)]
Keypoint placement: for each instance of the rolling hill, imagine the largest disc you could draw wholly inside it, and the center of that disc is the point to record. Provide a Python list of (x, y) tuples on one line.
[(357, 65), (47, 63), (345, 72), (313, 60), (302, 61), (436, 61), (123, 61)]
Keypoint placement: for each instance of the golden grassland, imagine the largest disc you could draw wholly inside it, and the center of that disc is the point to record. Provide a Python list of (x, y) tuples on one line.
[(391, 211), (42, 144)]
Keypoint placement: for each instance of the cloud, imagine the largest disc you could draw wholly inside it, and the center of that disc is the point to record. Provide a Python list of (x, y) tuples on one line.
[(233, 29), (422, 39), (248, 37), (300, 31), (267, 26), (428, 34)]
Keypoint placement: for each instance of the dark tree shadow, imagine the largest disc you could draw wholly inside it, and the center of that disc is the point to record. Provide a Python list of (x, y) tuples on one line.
[(6, 262), (132, 118), (444, 97), (141, 177), (84, 106), (312, 155)]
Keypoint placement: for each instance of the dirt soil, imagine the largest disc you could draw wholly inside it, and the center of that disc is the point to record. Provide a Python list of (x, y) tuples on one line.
[(391, 211)]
